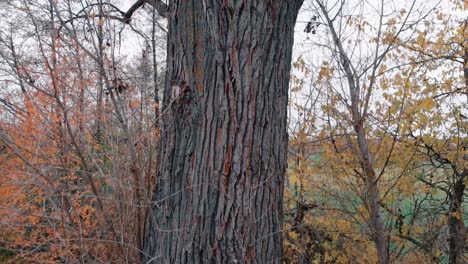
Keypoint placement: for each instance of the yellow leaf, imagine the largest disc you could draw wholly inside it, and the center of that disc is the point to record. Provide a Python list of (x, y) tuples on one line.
[(421, 39), (293, 235), (456, 215), (383, 68), (296, 89), (427, 104), (101, 21), (326, 72)]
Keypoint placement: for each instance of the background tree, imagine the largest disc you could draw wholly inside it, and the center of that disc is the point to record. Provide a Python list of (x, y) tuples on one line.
[(435, 61), (329, 188)]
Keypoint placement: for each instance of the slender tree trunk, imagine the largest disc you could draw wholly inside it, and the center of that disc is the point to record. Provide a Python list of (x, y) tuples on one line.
[(456, 225), (101, 84), (155, 68), (372, 201), (223, 152), (465, 72), (379, 234)]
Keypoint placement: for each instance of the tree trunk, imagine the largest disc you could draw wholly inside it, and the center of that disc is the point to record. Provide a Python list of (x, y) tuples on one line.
[(456, 225), (378, 232), (219, 190), (457, 232), (372, 197)]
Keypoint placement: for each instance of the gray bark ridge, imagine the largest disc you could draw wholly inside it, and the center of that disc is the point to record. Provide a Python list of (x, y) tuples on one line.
[(223, 152)]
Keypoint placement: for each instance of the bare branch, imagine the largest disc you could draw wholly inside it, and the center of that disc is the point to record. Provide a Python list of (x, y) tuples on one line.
[(159, 5)]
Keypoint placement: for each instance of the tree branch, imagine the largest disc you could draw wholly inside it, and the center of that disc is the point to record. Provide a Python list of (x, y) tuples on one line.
[(159, 5)]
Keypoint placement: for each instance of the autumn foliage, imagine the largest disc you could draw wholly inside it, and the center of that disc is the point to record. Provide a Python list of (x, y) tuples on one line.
[(402, 79), (77, 156)]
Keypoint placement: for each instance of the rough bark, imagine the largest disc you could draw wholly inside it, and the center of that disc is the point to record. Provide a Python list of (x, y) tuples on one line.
[(223, 152)]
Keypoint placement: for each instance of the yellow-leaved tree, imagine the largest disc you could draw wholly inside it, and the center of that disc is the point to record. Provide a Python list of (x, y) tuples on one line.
[(378, 148)]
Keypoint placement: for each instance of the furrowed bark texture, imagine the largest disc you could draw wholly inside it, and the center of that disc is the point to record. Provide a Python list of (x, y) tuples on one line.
[(223, 155)]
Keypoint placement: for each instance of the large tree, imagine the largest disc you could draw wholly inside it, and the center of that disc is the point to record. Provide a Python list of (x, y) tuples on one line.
[(219, 190)]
